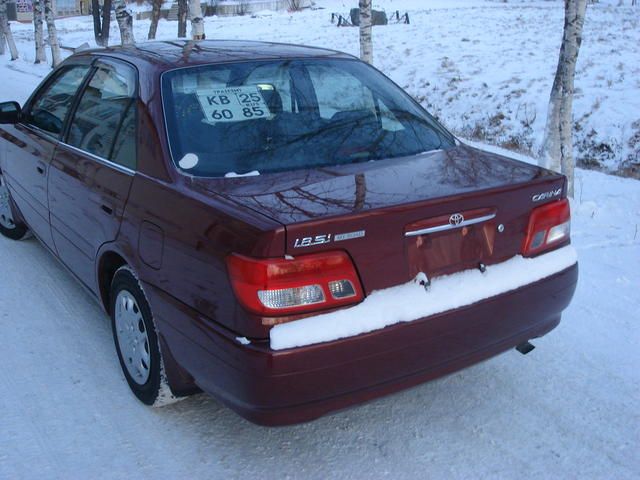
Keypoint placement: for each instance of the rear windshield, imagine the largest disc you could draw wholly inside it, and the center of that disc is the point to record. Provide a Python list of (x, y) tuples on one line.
[(274, 116)]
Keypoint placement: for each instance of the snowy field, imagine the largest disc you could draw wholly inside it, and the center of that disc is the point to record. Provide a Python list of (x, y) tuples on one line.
[(484, 68), (569, 409)]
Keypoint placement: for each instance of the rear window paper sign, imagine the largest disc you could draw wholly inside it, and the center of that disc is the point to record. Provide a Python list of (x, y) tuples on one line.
[(232, 104)]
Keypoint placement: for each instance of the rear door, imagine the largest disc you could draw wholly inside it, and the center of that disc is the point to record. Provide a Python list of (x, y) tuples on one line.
[(92, 169), (30, 145)]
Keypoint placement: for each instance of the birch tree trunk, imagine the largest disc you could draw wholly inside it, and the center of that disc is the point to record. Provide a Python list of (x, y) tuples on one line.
[(41, 54), (49, 17), (182, 18), (551, 143), (125, 23), (6, 31), (97, 25), (3, 42), (155, 16), (366, 45), (102, 24), (557, 147), (106, 22), (197, 24)]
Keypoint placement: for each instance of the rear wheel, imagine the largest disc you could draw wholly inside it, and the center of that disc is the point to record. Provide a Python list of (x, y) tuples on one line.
[(10, 227), (136, 340)]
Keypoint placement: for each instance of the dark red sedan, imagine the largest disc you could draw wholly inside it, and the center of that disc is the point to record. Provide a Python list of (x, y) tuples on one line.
[(280, 226)]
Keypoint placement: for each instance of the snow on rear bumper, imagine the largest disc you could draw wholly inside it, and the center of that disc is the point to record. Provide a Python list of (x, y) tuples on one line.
[(409, 302)]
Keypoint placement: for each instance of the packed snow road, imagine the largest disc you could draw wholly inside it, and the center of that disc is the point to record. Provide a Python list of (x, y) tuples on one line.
[(569, 409)]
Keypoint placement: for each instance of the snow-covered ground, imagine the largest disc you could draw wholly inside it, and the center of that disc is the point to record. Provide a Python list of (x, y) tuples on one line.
[(569, 409)]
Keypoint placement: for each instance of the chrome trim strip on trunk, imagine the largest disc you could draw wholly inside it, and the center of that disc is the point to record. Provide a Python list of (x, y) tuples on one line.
[(448, 226)]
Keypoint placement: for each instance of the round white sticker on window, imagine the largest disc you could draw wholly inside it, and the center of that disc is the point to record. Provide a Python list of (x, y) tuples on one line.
[(189, 161)]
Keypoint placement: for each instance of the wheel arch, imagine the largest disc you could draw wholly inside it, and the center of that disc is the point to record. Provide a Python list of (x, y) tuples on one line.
[(109, 261), (108, 264)]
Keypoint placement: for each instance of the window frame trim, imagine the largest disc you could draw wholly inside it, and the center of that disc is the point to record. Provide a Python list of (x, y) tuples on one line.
[(104, 161)]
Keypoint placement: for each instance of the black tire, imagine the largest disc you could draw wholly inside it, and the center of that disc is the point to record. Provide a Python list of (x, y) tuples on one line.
[(155, 389), (10, 227)]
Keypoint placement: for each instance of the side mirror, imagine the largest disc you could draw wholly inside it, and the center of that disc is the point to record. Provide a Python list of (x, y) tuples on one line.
[(10, 112)]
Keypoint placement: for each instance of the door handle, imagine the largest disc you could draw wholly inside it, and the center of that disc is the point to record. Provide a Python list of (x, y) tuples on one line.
[(41, 168), (107, 209)]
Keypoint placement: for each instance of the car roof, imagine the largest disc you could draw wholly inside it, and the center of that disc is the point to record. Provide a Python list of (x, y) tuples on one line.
[(165, 55)]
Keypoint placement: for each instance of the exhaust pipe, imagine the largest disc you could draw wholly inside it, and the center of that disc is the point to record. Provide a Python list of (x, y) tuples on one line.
[(525, 347)]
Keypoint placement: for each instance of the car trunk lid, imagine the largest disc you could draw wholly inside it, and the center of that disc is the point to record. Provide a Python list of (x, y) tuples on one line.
[(436, 213)]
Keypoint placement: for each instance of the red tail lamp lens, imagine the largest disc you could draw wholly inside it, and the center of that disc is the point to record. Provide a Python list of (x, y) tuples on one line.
[(549, 225), (303, 284)]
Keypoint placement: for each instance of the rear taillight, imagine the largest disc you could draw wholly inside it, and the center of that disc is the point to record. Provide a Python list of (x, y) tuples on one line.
[(273, 287), (549, 225)]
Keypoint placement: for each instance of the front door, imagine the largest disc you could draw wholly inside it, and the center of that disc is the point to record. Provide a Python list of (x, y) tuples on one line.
[(92, 169), (30, 146)]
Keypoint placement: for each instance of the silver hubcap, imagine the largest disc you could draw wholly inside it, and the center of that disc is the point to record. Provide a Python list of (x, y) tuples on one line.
[(132, 337), (6, 216)]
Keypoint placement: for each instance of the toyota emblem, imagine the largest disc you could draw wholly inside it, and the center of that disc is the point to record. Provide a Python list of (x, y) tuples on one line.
[(456, 219)]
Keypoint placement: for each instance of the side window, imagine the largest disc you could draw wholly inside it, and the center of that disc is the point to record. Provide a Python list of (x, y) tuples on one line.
[(124, 149), (51, 105), (338, 91), (104, 121)]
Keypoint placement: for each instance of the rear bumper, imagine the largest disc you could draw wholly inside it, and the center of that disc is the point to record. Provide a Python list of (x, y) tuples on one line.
[(299, 384)]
